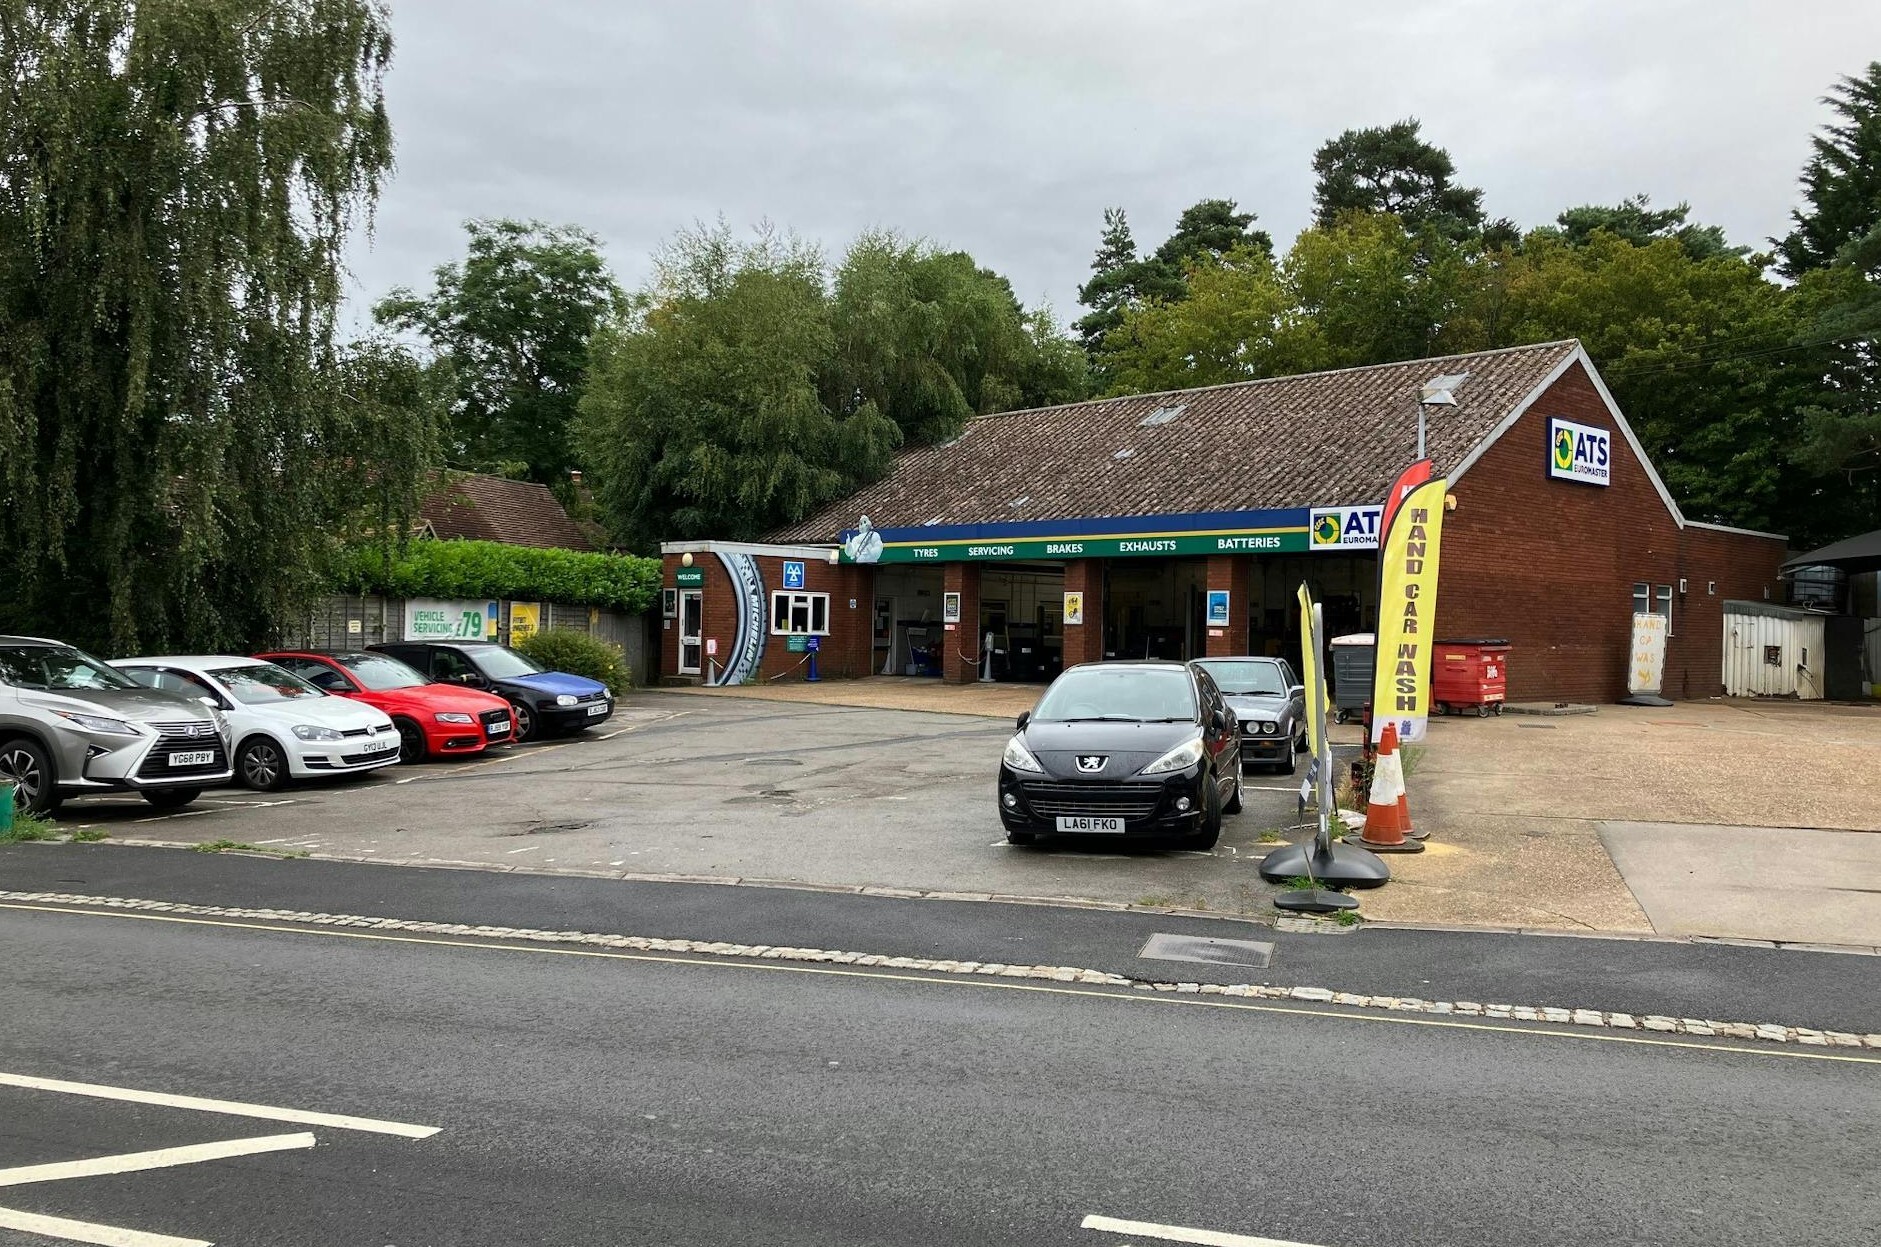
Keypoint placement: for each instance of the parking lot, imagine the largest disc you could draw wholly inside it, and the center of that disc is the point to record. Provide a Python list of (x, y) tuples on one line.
[(725, 788)]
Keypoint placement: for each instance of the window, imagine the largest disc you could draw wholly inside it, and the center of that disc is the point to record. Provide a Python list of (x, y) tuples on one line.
[(800, 613), (1642, 598), (1653, 600), (1662, 604)]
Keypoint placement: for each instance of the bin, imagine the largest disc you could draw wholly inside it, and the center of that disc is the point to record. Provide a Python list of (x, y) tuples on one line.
[(1469, 673), (1354, 657)]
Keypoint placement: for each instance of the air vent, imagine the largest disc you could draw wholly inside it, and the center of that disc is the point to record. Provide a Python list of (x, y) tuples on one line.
[(1162, 415)]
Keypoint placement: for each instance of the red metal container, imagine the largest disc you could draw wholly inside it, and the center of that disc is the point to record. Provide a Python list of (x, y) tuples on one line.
[(1469, 675)]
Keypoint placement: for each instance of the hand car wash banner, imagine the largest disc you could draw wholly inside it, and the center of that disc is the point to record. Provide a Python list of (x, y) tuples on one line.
[(1407, 612)]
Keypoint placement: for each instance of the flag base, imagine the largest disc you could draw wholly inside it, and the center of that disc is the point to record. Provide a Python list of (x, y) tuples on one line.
[(1314, 901), (1406, 845), (1341, 865)]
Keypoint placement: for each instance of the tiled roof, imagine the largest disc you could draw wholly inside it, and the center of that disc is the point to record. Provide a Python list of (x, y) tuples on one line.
[(489, 508), (1319, 439)]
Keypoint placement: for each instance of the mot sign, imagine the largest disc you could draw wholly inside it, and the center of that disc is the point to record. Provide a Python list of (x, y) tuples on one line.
[(1579, 452)]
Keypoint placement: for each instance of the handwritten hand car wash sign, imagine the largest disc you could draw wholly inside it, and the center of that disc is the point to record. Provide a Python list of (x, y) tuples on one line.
[(1407, 613)]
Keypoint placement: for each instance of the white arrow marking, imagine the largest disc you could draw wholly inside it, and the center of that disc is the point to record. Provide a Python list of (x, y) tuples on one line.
[(162, 1158), (87, 1232), (1181, 1233)]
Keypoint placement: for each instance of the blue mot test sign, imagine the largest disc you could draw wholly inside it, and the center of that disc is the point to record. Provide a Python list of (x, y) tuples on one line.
[(1579, 452)]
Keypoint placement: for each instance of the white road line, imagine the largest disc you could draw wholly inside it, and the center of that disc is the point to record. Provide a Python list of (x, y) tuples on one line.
[(233, 1108), (1181, 1234), (88, 1232), (162, 1158)]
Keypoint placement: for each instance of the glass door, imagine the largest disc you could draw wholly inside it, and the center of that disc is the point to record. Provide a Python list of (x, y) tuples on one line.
[(691, 627)]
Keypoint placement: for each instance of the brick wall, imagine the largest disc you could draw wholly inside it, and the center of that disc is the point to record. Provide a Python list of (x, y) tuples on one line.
[(845, 651), (1550, 564), (1235, 573), (960, 642), (1085, 642)]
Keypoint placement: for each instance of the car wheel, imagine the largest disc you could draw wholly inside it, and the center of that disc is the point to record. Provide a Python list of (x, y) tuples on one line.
[(411, 742), (1234, 801), (1210, 831), (1289, 767), (35, 787), (525, 721), (262, 765), (171, 798)]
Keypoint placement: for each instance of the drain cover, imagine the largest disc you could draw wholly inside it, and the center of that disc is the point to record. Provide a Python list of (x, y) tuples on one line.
[(1252, 953)]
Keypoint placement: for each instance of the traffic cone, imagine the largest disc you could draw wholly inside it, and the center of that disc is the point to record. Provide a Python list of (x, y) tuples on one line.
[(1388, 815)]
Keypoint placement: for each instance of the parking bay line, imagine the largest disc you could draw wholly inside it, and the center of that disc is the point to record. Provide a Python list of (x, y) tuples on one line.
[(160, 1158), (1180, 1233), (233, 1108), (89, 1232)]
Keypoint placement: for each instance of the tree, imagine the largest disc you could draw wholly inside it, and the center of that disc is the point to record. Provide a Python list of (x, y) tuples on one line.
[(1842, 181), (509, 326), (704, 414), (1208, 230), (1638, 222), (179, 433), (1391, 169), (1110, 289)]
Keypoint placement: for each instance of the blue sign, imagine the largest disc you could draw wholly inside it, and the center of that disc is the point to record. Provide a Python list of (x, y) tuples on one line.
[(793, 574), (1217, 608), (813, 644)]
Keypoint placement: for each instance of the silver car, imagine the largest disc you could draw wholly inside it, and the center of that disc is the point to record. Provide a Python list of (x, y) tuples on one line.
[(1269, 701), (71, 725)]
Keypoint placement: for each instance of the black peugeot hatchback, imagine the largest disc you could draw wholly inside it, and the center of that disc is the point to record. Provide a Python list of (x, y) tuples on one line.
[(1137, 750)]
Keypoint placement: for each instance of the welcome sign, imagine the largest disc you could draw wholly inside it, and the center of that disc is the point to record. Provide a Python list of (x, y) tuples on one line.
[(1579, 452)]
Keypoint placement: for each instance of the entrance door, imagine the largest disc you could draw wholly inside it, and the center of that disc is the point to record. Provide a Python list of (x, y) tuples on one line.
[(691, 628)]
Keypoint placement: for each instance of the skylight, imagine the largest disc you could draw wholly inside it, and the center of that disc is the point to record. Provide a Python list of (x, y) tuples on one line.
[(1162, 415), (1125, 453)]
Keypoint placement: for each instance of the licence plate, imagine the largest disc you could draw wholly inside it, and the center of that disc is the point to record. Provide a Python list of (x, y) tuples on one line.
[(1113, 826), (385, 747), (497, 727), (596, 711), (200, 757)]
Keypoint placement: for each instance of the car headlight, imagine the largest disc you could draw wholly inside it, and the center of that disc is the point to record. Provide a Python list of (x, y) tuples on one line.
[(451, 716), (1183, 756), (566, 699), (99, 724), (311, 731), (1270, 728), (1019, 758)]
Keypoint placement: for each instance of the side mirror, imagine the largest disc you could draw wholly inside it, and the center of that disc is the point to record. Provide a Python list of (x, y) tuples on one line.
[(210, 702), (1298, 690), (1025, 717)]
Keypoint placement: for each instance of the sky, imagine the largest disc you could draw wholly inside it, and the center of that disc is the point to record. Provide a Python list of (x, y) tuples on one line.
[(1005, 129)]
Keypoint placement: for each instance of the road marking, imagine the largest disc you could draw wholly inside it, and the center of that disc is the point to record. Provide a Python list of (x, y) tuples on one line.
[(1180, 1233), (88, 1232), (1447, 1022), (161, 1158), (233, 1108)]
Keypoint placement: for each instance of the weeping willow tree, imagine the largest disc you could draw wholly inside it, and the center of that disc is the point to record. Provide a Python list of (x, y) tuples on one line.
[(182, 440)]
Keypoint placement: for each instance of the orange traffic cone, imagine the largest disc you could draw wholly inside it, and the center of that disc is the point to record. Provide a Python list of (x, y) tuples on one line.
[(1388, 815)]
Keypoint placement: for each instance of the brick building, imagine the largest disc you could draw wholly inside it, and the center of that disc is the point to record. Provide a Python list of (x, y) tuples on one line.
[(1180, 524)]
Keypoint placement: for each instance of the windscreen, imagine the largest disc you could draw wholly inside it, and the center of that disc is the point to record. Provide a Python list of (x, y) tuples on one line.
[(264, 686), (1246, 679), (502, 664), (1124, 694), (54, 667), (379, 673)]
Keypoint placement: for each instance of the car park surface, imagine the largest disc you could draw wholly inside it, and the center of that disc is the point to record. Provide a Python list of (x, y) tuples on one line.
[(544, 702), (433, 720), (281, 727), (72, 725)]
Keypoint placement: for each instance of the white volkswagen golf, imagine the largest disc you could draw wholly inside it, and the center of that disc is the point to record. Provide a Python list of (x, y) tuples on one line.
[(280, 726)]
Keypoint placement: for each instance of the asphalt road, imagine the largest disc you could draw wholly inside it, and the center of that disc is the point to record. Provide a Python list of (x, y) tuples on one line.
[(627, 1099)]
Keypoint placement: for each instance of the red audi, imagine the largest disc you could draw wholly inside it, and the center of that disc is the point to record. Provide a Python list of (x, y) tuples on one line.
[(433, 720)]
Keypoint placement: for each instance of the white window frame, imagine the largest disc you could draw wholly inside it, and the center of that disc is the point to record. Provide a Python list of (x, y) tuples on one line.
[(812, 605)]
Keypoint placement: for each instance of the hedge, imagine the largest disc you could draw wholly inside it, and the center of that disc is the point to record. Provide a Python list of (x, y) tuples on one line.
[(577, 653), (490, 569)]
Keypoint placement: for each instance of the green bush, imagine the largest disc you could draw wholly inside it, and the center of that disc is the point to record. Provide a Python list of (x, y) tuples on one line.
[(577, 653), (490, 569)]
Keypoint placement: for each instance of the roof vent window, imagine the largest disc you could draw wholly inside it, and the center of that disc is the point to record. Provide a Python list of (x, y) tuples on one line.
[(1162, 415), (1020, 501), (1125, 453), (932, 522)]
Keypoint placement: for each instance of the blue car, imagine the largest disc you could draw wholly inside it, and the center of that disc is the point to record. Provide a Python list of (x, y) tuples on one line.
[(546, 703)]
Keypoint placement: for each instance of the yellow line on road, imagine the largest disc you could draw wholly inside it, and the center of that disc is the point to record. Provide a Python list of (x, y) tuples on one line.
[(942, 979)]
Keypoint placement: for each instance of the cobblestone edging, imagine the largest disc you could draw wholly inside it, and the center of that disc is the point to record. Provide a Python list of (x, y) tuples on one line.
[(1766, 1032)]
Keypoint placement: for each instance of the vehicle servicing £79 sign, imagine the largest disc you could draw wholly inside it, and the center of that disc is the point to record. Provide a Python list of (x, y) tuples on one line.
[(427, 619), (1579, 452)]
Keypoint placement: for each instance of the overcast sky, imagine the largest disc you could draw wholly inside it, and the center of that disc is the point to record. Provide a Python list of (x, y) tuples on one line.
[(1006, 128)]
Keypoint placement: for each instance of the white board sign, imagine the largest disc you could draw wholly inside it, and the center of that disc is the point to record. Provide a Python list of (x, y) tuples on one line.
[(1645, 671), (433, 619)]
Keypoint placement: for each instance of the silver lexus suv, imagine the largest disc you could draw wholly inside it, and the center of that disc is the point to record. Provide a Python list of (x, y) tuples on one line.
[(71, 725)]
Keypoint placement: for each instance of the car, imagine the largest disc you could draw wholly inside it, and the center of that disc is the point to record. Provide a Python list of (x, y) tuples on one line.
[(281, 727), (1136, 750), (72, 725), (433, 720), (1270, 703), (544, 702)]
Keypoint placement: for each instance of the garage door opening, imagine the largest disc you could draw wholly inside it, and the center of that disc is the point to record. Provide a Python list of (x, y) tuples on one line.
[(1154, 608)]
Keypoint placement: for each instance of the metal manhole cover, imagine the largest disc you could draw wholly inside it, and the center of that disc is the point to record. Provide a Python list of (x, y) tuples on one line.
[(1251, 953)]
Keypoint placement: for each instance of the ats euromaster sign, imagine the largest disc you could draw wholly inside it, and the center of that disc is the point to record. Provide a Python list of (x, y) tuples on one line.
[(1345, 528), (1579, 452), (1222, 532)]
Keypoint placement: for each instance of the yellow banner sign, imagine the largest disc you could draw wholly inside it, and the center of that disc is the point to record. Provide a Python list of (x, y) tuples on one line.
[(525, 620), (1407, 613), (1310, 676)]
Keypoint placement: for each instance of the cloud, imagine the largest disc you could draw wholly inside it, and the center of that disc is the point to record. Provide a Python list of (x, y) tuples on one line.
[(1006, 128)]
